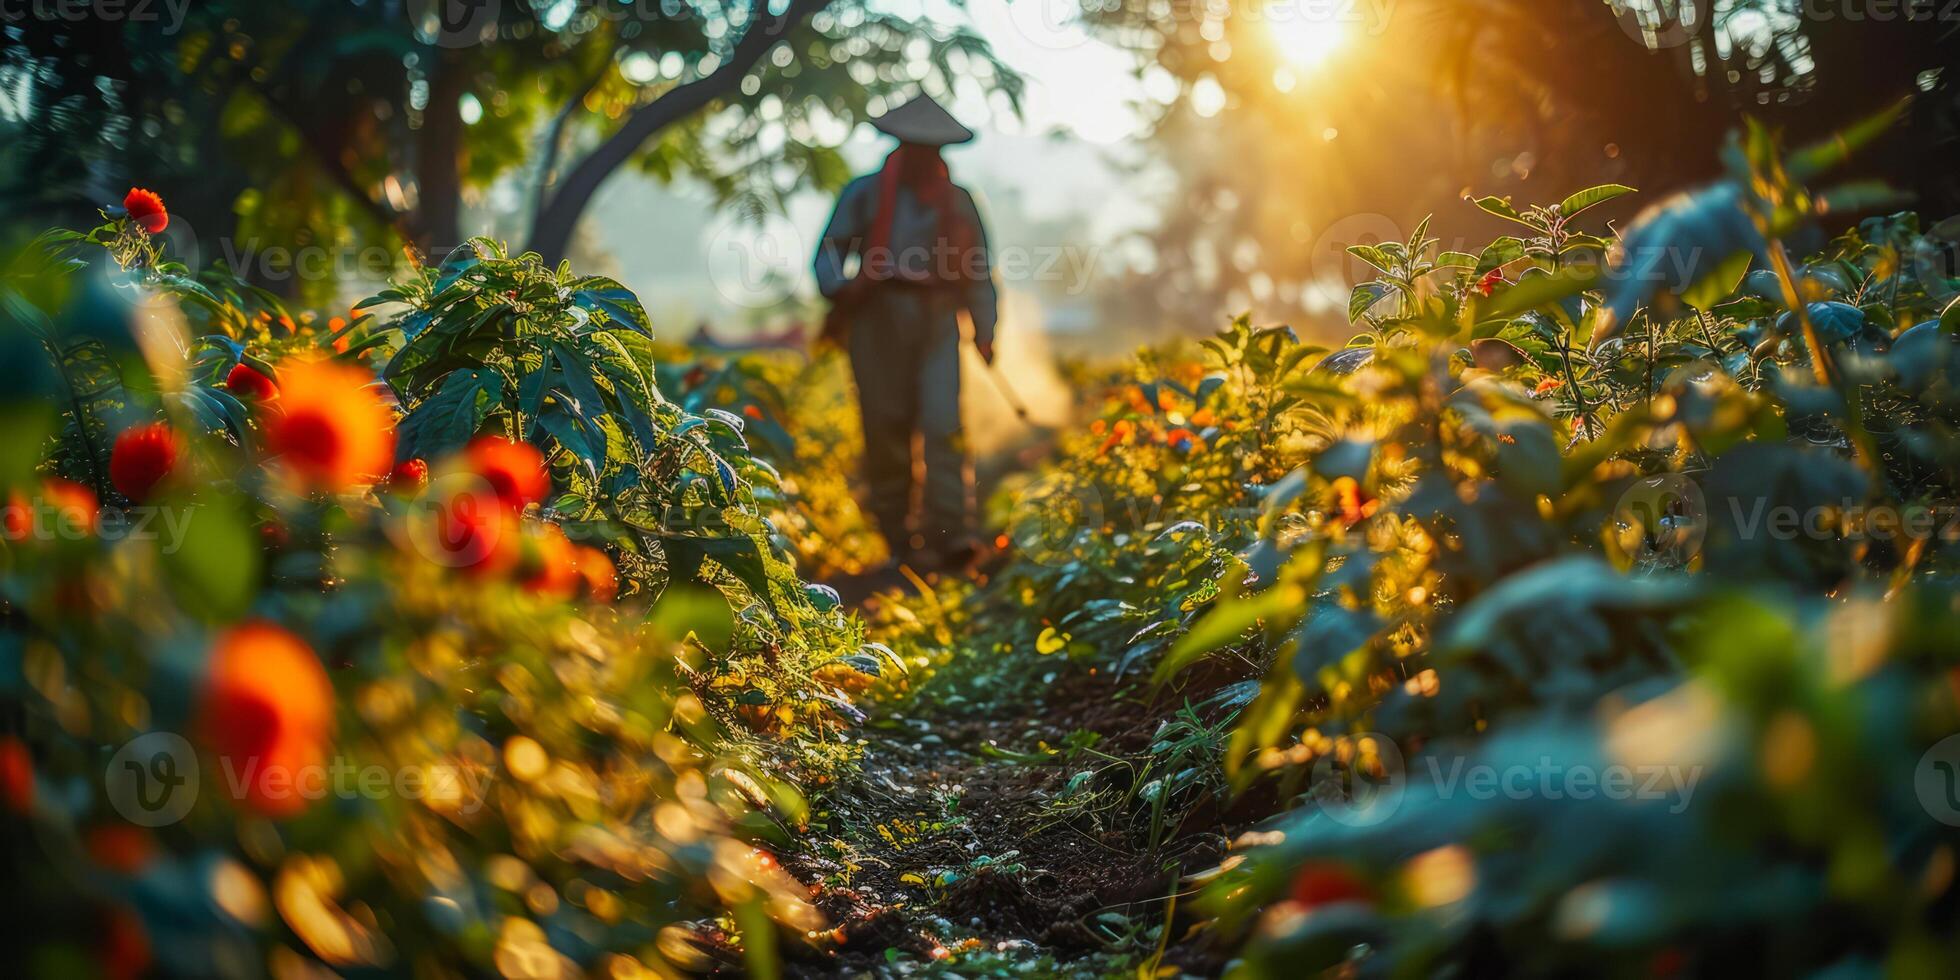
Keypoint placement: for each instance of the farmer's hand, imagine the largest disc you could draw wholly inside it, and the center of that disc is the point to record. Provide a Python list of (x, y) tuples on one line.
[(986, 349)]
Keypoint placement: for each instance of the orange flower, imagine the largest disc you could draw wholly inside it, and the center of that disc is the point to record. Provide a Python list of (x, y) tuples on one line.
[(595, 570), (143, 456), (332, 431), (1489, 283), (1117, 433), (1354, 503), (146, 210), (267, 711), (1203, 418), (1547, 386), (74, 505), (247, 384), (549, 565), (515, 470)]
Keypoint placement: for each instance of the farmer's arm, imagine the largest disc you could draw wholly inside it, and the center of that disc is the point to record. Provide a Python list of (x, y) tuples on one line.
[(842, 238), (982, 302)]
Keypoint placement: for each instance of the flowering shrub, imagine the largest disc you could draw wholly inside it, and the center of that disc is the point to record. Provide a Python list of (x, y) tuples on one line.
[(434, 637), (1517, 527)]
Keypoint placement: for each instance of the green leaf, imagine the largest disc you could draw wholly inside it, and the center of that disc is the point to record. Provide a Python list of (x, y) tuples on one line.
[(1332, 632), (1536, 292), (1374, 256), (1721, 283), (1363, 298), (1501, 207), (1501, 252), (214, 569), (1592, 197), (620, 306), (1828, 154), (1226, 621), (444, 422)]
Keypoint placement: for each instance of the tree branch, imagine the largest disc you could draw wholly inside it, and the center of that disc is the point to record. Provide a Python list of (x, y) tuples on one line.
[(555, 139), (333, 167), (552, 232)]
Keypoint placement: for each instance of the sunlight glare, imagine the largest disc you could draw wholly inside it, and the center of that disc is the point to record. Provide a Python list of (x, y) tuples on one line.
[(1305, 38)]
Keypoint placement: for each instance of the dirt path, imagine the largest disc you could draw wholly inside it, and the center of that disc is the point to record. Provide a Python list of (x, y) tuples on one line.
[(971, 840)]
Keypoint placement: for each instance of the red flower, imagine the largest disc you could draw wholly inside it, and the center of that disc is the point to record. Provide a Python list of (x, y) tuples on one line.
[(470, 532), (248, 384), (514, 470), (1323, 883), (143, 456), (146, 209), (120, 847), (409, 477), (1489, 283), (71, 505), (596, 570), (16, 774), (267, 710)]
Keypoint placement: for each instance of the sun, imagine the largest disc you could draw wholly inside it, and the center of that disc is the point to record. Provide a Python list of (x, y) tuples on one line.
[(1305, 38)]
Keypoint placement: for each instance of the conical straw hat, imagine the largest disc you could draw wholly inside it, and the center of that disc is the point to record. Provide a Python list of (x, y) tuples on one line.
[(923, 120)]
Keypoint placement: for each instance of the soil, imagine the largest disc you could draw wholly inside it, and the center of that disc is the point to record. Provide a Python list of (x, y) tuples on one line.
[(953, 843)]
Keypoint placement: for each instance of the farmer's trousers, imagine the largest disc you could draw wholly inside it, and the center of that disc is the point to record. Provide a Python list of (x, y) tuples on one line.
[(905, 355)]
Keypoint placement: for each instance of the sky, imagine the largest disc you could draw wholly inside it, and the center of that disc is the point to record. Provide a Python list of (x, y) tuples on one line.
[(1059, 180)]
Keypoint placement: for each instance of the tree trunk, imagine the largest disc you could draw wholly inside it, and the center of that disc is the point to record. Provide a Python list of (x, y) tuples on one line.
[(551, 234), (438, 160)]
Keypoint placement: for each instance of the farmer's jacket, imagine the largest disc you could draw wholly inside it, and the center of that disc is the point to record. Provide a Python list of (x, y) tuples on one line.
[(916, 259)]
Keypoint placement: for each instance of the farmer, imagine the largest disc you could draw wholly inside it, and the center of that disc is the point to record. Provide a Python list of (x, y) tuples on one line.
[(903, 256)]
